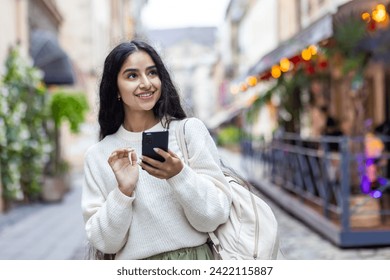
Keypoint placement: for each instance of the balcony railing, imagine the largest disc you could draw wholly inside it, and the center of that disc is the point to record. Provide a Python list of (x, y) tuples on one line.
[(324, 182)]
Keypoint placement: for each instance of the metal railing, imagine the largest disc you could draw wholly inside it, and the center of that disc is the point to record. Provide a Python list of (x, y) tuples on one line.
[(323, 181)]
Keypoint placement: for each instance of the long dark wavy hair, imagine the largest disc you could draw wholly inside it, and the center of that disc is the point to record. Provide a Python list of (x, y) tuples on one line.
[(111, 111)]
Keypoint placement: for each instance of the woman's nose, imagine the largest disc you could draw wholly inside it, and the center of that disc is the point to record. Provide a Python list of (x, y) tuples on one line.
[(145, 83)]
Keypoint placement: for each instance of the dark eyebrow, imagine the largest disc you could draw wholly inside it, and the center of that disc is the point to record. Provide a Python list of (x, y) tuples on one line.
[(136, 70)]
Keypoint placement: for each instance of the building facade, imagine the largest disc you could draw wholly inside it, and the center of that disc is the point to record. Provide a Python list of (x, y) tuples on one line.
[(68, 41), (260, 35), (14, 28), (191, 55), (328, 86), (89, 31)]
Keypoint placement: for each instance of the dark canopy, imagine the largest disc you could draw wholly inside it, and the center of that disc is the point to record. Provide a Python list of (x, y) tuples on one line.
[(378, 45), (50, 58)]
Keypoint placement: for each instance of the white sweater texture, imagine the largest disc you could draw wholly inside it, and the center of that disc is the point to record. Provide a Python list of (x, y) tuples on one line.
[(161, 215)]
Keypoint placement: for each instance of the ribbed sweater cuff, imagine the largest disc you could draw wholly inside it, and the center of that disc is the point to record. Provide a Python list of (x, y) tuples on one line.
[(181, 177), (121, 199)]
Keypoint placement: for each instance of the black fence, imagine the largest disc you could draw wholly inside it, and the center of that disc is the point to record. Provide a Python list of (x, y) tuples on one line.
[(337, 185)]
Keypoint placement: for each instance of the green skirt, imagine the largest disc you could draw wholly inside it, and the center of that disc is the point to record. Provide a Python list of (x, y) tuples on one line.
[(201, 252)]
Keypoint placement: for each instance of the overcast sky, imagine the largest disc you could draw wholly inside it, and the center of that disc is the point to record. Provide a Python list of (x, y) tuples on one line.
[(161, 14)]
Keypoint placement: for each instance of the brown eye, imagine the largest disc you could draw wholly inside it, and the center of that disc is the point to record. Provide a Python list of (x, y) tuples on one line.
[(153, 73), (132, 76)]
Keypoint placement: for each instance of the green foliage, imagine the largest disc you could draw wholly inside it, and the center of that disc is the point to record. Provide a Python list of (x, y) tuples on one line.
[(229, 135), (29, 128), (69, 106), (354, 62), (24, 144), (285, 88), (253, 111), (348, 33), (63, 106)]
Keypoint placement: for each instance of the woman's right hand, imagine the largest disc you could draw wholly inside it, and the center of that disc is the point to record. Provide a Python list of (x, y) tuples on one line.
[(124, 164)]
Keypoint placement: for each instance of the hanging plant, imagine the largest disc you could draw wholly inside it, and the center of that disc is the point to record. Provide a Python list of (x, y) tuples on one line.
[(253, 111), (343, 50)]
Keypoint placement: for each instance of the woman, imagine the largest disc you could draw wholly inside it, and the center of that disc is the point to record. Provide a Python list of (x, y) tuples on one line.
[(136, 207)]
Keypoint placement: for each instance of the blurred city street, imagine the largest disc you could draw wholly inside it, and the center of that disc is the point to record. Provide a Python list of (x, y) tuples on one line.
[(45, 231), (296, 93), (299, 242), (56, 232)]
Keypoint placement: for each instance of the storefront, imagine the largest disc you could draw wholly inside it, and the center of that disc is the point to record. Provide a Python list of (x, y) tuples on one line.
[(332, 84), (333, 69)]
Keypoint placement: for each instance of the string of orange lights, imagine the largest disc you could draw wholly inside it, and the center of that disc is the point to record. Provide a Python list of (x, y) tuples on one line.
[(377, 19)]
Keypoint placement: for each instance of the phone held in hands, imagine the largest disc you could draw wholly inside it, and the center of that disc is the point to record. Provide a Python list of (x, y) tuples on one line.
[(154, 139)]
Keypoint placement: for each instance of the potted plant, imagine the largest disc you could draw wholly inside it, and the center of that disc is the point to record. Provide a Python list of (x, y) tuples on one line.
[(63, 106), (229, 137)]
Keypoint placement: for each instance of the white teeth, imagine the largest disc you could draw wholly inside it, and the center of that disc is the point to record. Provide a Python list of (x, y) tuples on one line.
[(145, 94)]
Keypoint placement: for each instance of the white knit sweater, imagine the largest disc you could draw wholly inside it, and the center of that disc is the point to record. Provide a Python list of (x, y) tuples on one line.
[(162, 215)]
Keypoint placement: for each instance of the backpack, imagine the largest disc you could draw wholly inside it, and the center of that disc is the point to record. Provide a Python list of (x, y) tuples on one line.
[(251, 231)]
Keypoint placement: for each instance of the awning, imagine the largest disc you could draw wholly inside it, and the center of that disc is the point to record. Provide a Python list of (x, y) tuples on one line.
[(222, 117), (378, 45), (50, 58), (356, 7), (232, 111), (320, 30)]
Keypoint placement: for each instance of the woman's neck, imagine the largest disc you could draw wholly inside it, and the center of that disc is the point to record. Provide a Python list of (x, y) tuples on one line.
[(139, 122)]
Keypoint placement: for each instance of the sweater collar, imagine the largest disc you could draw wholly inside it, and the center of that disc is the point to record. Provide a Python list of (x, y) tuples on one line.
[(136, 136)]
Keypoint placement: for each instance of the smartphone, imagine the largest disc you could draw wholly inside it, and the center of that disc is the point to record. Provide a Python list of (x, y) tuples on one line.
[(154, 139)]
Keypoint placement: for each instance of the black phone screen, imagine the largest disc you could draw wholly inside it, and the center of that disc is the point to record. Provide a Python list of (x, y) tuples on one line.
[(154, 139)]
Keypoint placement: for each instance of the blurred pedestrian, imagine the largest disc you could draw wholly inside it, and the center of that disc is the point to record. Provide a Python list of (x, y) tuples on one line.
[(133, 206)]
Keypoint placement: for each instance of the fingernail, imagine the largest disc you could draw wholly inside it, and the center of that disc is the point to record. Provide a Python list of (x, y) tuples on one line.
[(155, 149), (129, 156)]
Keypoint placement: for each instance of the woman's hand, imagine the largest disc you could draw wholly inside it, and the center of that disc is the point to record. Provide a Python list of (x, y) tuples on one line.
[(162, 170), (124, 164)]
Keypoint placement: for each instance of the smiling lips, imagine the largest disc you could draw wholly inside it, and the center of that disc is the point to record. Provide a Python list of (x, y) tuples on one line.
[(145, 95)]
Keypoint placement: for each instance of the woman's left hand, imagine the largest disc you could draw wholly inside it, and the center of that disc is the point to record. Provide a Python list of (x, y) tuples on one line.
[(162, 170)]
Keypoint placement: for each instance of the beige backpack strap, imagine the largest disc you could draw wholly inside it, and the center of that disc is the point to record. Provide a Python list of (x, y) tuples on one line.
[(217, 247), (181, 139)]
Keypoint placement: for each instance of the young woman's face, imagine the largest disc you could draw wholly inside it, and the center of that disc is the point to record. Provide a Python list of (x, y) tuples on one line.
[(138, 83)]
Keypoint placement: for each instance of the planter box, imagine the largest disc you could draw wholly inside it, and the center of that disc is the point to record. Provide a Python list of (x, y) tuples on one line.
[(54, 188), (235, 148), (367, 212)]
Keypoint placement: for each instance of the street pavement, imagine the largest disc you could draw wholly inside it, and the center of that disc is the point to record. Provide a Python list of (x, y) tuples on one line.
[(55, 231), (297, 241), (45, 231)]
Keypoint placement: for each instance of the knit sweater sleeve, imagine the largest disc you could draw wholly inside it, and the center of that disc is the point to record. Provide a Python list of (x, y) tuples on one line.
[(201, 187), (107, 212)]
